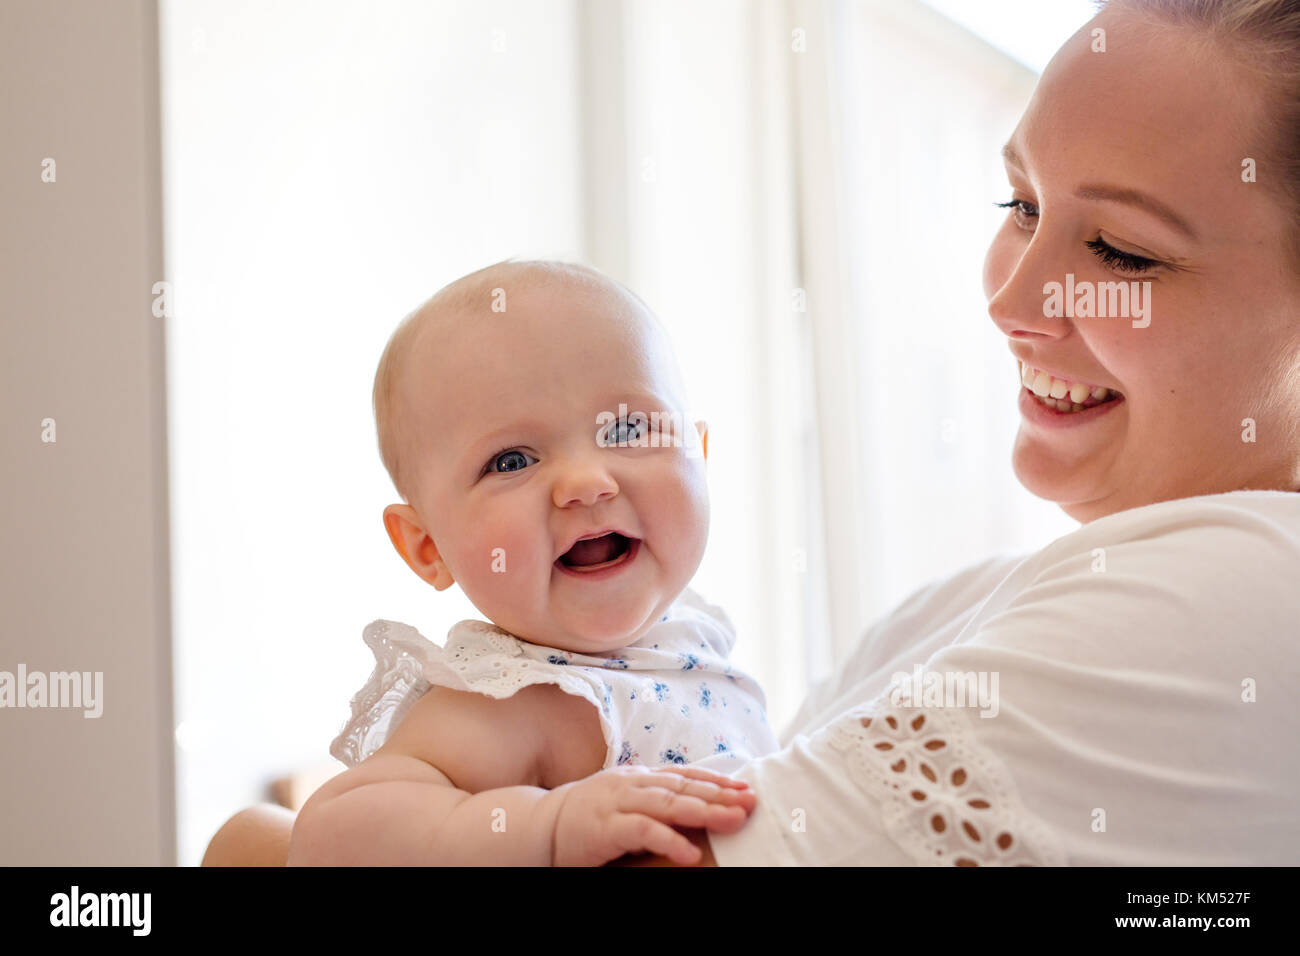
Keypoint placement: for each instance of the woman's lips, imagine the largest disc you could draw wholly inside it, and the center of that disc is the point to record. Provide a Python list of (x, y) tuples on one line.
[(1039, 414), (606, 569)]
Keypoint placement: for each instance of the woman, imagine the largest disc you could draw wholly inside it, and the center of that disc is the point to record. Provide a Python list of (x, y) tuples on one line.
[(1138, 666)]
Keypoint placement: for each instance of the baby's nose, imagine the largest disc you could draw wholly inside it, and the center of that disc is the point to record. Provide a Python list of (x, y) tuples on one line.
[(584, 485)]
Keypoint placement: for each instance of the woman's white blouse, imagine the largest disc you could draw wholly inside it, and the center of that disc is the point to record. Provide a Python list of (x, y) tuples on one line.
[(1138, 708)]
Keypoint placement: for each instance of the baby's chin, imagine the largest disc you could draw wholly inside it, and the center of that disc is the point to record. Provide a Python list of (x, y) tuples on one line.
[(601, 629)]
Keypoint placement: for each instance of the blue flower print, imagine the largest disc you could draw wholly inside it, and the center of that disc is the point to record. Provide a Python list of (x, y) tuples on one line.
[(689, 661), (673, 756), (555, 659), (616, 662), (661, 690), (705, 696), (720, 745), (628, 754)]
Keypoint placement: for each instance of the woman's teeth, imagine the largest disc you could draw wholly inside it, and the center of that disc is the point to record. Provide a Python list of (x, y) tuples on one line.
[(1061, 395)]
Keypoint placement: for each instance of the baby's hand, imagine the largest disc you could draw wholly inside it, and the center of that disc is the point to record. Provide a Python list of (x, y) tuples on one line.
[(632, 809)]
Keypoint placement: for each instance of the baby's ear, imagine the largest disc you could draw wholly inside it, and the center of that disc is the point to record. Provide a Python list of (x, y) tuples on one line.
[(703, 428), (406, 531)]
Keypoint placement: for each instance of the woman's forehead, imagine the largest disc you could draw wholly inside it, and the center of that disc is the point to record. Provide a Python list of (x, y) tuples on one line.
[(1154, 113)]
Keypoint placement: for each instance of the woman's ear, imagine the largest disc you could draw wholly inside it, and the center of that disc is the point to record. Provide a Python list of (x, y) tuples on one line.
[(406, 531), (703, 428)]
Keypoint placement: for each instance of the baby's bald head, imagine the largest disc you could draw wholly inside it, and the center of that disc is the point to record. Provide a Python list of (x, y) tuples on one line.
[(487, 294)]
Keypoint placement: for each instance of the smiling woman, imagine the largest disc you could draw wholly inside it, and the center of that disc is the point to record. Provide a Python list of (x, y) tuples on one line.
[(1215, 351)]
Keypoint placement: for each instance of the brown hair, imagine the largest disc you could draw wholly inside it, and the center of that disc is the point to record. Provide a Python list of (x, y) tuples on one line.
[(1263, 37)]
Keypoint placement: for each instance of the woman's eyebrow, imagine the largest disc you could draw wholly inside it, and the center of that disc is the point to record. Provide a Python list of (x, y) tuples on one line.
[(1132, 197)]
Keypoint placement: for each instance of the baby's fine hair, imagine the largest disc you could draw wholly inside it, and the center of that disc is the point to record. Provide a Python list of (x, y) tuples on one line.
[(467, 294)]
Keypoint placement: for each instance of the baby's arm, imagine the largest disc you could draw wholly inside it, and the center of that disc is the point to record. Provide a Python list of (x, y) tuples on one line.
[(458, 782)]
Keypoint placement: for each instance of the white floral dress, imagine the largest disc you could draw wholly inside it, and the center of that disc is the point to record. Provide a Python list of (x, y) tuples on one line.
[(670, 698)]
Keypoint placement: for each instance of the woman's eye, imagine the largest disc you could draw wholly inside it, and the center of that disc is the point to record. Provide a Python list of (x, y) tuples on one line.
[(1023, 208), (1118, 260), (506, 461)]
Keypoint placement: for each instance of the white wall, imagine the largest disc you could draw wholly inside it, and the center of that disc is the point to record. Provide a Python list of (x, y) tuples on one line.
[(83, 520)]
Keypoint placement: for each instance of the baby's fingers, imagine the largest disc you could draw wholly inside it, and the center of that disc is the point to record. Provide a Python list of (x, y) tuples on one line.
[(702, 788), (634, 833), (681, 810), (699, 773)]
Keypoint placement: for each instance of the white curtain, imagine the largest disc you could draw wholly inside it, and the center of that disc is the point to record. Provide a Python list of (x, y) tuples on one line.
[(902, 116)]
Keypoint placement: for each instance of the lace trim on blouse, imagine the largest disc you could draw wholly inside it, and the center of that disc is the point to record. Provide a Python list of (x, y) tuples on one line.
[(947, 801)]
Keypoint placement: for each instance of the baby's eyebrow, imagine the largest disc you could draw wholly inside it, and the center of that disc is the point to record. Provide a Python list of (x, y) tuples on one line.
[(502, 436)]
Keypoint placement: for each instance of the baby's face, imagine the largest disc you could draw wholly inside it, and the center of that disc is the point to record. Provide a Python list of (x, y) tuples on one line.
[(513, 463)]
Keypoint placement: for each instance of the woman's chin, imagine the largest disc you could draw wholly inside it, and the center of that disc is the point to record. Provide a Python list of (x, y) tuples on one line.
[(1045, 475)]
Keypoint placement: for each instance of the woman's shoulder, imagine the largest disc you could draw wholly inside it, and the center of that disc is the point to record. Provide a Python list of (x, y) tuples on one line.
[(1208, 581), (1225, 537), (1235, 515)]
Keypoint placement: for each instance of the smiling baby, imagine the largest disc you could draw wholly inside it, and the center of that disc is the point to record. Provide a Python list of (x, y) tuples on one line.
[(532, 418)]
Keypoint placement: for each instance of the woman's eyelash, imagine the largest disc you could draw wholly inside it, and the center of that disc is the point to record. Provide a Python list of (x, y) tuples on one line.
[(1108, 254), (1123, 261), (1017, 202)]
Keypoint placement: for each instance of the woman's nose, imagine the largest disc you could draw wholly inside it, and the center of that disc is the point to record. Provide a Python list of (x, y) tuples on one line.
[(583, 482), (1015, 280)]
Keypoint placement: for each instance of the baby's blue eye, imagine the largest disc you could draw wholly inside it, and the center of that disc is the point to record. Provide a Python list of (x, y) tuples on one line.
[(512, 460), (619, 436)]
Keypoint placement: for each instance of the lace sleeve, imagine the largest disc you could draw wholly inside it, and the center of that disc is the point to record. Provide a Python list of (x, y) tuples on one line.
[(478, 658), (396, 683), (945, 799)]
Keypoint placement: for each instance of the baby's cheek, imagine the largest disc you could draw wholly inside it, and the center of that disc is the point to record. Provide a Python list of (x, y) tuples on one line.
[(681, 515), (499, 557)]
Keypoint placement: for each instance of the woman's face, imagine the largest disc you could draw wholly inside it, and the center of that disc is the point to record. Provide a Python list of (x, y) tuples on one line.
[(1128, 168)]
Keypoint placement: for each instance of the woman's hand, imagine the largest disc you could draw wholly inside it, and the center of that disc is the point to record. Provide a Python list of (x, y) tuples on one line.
[(632, 809)]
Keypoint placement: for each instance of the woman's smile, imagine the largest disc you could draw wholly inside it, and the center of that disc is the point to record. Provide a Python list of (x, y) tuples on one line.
[(1035, 410)]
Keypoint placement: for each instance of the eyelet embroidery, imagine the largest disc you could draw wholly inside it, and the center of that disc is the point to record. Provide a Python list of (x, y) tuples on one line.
[(946, 800)]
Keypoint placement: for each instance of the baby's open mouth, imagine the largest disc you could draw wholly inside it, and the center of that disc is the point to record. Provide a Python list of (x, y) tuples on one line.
[(590, 554)]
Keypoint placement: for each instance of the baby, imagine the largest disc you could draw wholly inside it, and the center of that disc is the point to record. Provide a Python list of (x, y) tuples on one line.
[(531, 417)]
